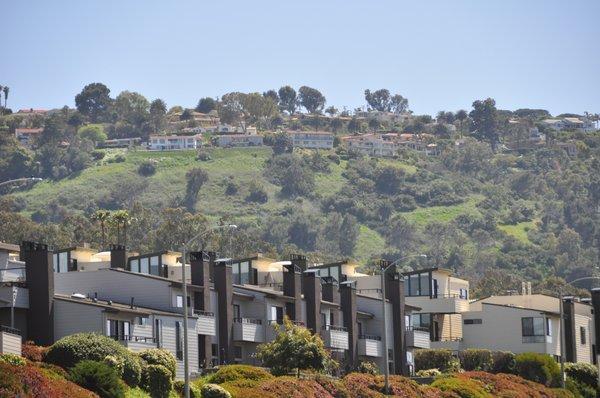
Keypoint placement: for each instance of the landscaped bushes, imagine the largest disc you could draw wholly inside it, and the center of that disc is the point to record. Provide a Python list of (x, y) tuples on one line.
[(540, 368), (32, 380), (69, 350), (464, 388), (505, 385), (33, 352), (156, 379), (583, 378), (238, 372), (214, 391), (434, 359), (99, 378), (476, 359), (504, 362), (159, 356)]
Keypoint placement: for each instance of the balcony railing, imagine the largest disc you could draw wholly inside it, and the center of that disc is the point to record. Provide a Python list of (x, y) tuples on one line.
[(10, 330), (204, 313), (128, 337), (12, 274), (280, 322), (369, 337), (248, 320), (417, 328), (335, 328)]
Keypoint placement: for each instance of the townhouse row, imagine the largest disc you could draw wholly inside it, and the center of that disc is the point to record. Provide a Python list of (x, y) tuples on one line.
[(234, 304)]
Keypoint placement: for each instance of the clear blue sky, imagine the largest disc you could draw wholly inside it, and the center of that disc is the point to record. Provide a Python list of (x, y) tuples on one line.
[(439, 54)]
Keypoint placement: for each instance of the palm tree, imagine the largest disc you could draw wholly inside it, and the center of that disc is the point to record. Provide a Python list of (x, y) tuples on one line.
[(102, 216), (6, 89), (122, 218), (1, 87)]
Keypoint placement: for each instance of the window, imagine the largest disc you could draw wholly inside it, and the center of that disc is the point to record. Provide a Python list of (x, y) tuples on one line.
[(237, 352), (61, 262), (323, 319), (143, 320), (548, 327), (418, 284), (179, 301), (118, 330), (134, 265), (237, 313), (421, 320), (277, 314), (331, 319), (424, 282), (242, 273), (472, 322), (582, 335), (462, 293), (178, 341), (144, 265), (154, 265), (532, 330), (158, 332)]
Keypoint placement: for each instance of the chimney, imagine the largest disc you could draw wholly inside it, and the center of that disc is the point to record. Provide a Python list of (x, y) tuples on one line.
[(201, 263), (395, 294), (596, 304), (118, 256), (224, 288), (569, 332), (523, 289), (348, 304), (311, 284), (529, 288), (331, 292), (132, 303), (39, 273), (292, 284)]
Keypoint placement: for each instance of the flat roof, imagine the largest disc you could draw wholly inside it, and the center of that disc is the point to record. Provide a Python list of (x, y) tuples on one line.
[(10, 247), (114, 306)]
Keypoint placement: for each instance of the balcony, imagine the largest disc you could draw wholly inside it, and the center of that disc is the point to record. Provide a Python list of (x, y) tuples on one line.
[(248, 329), (537, 339), (370, 346), (12, 274), (440, 304), (417, 337), (10, 341), (335, 337), (206, 324), (135, 343)]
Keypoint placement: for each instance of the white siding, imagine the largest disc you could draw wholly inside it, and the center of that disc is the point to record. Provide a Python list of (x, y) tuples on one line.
[(10, 343), (584, 351)]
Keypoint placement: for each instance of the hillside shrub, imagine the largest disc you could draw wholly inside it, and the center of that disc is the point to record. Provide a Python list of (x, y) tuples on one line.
[(33, 352), (585, 373), (433, 358), (32, 380), (504, 362), (99, 378), (540, 368), (132, 370), (157, 381), (203, 156), (12, 359), (159, 356), (333, 386), (69, 350), (463, 388), (292, 387), (476, 359), (580, 390), (115, 363), (505, 385), (179, 387), (214, 391), (239, 372), (429, 373), (147, 168), (368, 367), (257, 194), (231, 189), (98, 154)]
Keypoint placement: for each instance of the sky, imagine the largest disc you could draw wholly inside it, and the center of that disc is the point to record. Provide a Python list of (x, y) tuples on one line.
[(441, 55)]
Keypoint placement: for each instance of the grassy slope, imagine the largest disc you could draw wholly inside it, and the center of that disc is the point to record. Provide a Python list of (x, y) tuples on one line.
[(519, 231), (240, 165)]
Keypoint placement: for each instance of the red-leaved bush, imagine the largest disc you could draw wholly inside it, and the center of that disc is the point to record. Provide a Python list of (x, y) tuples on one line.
[(33, 352), (32, 381)]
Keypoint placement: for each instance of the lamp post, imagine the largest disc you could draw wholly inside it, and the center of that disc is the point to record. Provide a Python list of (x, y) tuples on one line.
[(386, 366), (186, 365), (36, 179), (562, 330)]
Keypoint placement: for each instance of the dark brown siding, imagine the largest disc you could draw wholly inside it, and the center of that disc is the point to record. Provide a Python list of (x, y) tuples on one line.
[(395, 293), (224, 288), (292, 288), (570, 342), (200, 264), (118, 256), (348, 300), (312, 295)]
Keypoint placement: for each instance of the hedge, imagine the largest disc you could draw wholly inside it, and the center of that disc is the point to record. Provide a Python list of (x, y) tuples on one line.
[(157, 381), (433, 359), (69, 350), (237, 372), (476, 359), (504, 362), (99, 378), (540, 368)]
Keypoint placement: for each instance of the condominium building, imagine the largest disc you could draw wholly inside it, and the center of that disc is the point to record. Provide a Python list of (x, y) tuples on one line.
[(237, 140), (138, 300), (174, 142), (311, 139), (376, 145)]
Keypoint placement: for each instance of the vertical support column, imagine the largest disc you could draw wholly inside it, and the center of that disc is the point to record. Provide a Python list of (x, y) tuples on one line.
[(39, 271), (312, 295), (395, 293), (224, 288), (292, 288), (200, 269), (348, 303), (569, 332)]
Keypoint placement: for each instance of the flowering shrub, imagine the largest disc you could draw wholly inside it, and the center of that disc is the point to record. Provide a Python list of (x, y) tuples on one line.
[(34, 353), (429, 373), (12, 359), (214, 391)]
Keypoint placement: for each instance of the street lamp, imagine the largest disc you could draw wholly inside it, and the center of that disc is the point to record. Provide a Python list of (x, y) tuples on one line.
[(385, 343), (562, 328), (185, 303), (36, 179)]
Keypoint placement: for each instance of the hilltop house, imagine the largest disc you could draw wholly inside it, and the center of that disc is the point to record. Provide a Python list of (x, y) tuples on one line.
[(311, 139), (174, 142), (27, 136)]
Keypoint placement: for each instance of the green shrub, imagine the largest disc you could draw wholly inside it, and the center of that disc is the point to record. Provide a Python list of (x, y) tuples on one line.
[(214, 391), (12, 359), (179, 387), (159, 356), (540, 368), (368, 367), (429, 359), (504, 362), (147, 168), (238, 372), (115, 362), (580, 390), (99, 378), (132, 370), (476, 359), (69, 350), (157, 381), (429, 373), (585, 373), (462, 388)]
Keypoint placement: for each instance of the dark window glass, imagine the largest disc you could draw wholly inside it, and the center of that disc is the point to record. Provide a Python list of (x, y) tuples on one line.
[(178, 341), (582, 335), (154, 265)]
